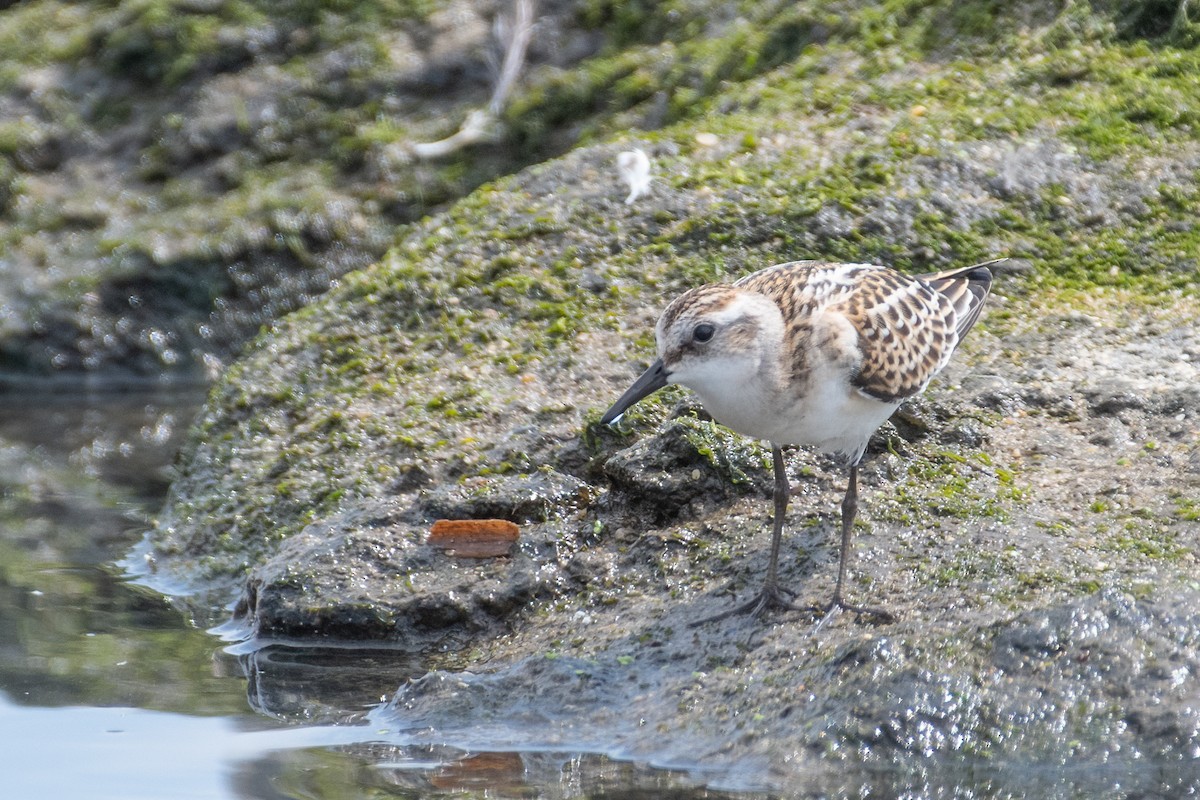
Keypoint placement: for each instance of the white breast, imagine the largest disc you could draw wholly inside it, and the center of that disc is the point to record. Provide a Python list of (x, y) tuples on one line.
[(820, 408)]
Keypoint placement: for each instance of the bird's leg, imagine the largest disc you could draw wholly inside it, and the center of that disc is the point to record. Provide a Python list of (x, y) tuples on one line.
[(849, 511), (771, 589), (772, 594)]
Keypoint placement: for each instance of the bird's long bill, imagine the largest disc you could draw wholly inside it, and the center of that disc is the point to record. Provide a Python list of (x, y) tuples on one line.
[(653, 379)]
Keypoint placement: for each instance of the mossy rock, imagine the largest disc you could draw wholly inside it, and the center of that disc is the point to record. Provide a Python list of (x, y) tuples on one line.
[(1034, 514)]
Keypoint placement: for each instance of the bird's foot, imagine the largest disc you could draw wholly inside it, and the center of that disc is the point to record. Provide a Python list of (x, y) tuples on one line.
[(830, 610), (772, 596)]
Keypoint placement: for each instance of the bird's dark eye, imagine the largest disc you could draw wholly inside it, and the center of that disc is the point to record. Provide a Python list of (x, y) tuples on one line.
[(703, 332)]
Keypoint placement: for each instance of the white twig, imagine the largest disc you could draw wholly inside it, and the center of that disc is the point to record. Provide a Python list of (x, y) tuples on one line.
[(476, 128), (480, 124), (514, 55)]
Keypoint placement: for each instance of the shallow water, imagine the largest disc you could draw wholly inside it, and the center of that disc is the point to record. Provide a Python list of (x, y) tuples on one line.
[(111, 690)]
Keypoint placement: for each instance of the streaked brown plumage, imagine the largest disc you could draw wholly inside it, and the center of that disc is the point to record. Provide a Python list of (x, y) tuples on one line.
[(812, 353)]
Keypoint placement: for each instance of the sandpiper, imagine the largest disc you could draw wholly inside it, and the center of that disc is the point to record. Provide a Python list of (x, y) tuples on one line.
[(811, 353)]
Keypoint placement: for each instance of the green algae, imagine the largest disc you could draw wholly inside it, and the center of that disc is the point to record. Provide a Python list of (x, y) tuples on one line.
[(736, 458)]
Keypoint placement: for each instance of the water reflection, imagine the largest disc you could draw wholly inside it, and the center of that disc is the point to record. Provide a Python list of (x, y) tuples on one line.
[(112, 753), (325, 684), (74, 632), (124, 439), (87, 638)]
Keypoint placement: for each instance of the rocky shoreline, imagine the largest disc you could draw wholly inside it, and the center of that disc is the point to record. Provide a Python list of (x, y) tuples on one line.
[(1032, 521)]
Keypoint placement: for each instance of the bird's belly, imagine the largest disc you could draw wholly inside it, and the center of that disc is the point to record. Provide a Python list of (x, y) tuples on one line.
[(843, 428), (834, 420)]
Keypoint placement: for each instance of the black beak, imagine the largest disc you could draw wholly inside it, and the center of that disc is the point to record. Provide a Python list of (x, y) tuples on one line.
[(653, 379)]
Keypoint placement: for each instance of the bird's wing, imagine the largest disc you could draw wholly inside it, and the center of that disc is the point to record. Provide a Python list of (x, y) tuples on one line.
[(906, 333), (908, 326)]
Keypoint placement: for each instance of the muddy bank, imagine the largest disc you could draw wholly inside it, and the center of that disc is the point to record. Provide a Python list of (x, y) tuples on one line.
[(1032, 520)]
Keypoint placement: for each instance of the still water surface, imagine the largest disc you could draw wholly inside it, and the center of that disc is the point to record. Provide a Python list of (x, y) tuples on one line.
[(111, 690)]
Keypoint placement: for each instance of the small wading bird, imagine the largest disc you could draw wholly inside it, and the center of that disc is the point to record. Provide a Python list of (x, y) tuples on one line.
[(811, 353)]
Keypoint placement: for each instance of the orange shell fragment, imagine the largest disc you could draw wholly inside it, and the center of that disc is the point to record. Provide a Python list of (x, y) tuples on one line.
[(474, 538)]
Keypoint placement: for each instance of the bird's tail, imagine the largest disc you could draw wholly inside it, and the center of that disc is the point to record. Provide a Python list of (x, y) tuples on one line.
[(966, 288)]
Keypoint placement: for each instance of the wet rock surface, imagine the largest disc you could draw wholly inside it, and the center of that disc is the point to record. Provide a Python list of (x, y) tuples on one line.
[(434, 599), (1030, 521)]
